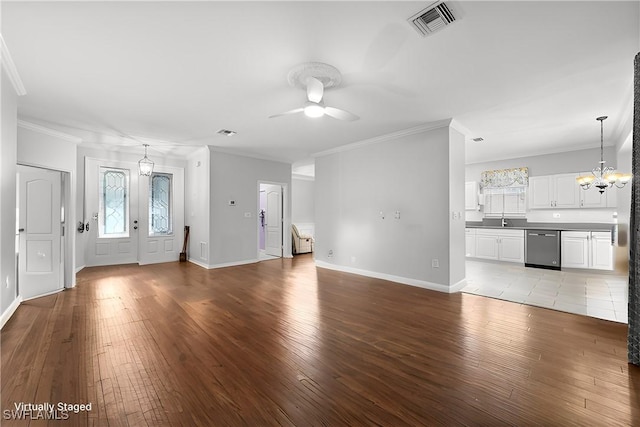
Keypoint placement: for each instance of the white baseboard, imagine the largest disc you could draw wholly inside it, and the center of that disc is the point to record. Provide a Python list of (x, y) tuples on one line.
[(390, 277), (78, 269), (9, 311), (223, 265), (43, 295), (198, 263)]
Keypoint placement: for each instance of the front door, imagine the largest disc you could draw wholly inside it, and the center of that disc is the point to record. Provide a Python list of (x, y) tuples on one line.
[(111, 197), (273, 223), (40, 225)]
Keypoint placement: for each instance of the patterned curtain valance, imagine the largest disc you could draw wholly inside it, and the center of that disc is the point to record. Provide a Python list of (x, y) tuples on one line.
[(516, 177)]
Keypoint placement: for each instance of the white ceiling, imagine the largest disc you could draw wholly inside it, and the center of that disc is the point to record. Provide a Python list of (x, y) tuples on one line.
[(528, 77)]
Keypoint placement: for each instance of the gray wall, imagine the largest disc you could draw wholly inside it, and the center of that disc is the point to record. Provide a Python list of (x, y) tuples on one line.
[(456, 179), (8, 159), (547, 164), (197, 206), (354, 186), (234, 237), (302, 200)]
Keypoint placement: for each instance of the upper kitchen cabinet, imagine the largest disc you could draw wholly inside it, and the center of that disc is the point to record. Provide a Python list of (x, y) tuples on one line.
[(554, 191), (562, 192), (591, 197)]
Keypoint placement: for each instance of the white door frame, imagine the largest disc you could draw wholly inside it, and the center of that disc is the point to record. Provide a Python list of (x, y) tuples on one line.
[(286, 220), (68, 190)]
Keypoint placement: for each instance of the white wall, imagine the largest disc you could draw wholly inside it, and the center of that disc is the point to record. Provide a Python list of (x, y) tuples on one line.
[(197, 206), (303, 204), (234, 237), (354, 186), (8, 159), (42, 150)]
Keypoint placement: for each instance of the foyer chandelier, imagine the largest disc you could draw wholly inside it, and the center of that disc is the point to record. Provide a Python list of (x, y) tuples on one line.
[(603, 177), (145, 166)]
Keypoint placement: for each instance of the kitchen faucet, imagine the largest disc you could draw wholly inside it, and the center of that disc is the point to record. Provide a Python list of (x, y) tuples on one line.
[(504, 222)]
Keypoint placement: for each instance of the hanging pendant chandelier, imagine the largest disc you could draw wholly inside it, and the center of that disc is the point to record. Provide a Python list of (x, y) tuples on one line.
[(603, 177), (145, 166)]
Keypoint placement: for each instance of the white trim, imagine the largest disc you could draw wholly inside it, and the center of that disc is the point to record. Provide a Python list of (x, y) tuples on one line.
[(303, 177), (44, 295), (460, 128), (199, 263), (78, 269), (390, 277), (385, 138), (224, 264), (9, 311), (49, 132), (457, 287), (10, 67)]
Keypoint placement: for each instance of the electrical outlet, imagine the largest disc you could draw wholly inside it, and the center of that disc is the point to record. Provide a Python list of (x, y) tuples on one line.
[(397, 215), (330, 253), (435, 263), (6, 281), (556, 214)]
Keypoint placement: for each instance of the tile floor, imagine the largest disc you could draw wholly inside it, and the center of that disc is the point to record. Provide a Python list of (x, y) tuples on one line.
[(597, 294)]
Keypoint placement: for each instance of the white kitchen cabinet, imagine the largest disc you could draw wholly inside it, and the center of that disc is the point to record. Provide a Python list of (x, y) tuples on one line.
[(471, 196), (470, 242), (500, 245), (601, 250), (554, 191), (587, 249), (591, 197), (575, 249)]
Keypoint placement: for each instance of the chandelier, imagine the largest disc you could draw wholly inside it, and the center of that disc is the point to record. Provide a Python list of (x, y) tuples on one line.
[(145, 166), (603, 177)]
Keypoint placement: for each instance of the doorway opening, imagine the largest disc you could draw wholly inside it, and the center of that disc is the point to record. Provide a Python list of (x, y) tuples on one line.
[(270, 221)]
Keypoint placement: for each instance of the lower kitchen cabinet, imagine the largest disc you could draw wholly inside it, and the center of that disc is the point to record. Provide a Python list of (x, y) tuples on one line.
[(500, 245), (587, 249), (470, 242)]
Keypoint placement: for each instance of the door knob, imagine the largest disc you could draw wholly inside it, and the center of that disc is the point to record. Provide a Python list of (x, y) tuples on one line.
[(135, 227)]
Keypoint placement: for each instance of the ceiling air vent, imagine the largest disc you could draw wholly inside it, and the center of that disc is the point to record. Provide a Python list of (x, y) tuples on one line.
[(226, 132), (433, 18)]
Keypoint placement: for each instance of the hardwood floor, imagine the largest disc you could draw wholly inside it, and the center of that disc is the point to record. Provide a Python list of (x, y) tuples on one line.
[(283, 343)]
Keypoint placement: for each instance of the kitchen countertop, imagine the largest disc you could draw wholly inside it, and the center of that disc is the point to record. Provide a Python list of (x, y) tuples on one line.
[(561, 226)]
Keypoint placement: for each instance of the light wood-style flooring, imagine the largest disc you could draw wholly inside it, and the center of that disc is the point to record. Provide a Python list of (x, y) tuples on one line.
[(282, 342)]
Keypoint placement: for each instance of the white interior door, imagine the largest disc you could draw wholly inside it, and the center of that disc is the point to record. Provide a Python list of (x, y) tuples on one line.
[(111, 197), (273, 216), (40, 225)]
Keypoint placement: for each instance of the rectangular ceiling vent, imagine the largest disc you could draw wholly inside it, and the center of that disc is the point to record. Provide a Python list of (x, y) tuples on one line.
[(435, 17)]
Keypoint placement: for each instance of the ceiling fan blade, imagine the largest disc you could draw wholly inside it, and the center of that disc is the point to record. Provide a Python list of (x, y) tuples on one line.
[(297, 110), (339, 114), (315, 89)]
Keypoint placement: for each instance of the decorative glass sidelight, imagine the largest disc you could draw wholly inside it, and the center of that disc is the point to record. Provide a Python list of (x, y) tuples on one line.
[(114, 206), (160, 215)]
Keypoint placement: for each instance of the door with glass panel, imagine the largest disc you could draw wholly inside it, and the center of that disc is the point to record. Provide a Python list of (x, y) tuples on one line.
[(161, 210), (133, 218), (111, 197)]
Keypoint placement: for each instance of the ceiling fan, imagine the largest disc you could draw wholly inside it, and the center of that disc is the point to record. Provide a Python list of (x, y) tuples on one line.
[(311, 76)]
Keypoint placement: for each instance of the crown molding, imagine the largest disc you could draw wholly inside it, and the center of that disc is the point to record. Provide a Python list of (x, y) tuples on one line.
[(303, 177), (387, 137), (49, 132), (10, 67)]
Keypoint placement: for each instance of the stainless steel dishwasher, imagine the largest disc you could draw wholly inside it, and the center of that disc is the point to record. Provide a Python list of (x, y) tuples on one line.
[(542, 249)]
